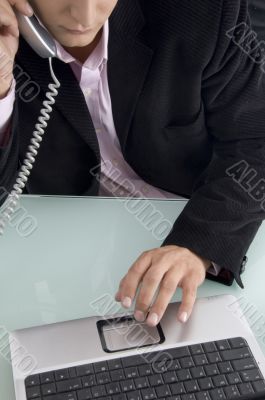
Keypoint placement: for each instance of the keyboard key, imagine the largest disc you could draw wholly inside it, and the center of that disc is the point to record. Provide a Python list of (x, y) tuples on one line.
[(231, 392), (247, 363), (141, 383), (156, 379), (183, 375), (72, 372), (197, 372), (173, 365), (163, 391), (103, 377), (135, 395), (113, 388), (84, 394), (211, 369), (160, 367), (200, 359), (168, 377), (214, 357), (88, 381), (117, 375), (245, 388), (222, 345), (47, 377), (217, 394), (259, 386), (69, 385), (220, 380), (186, 362), (48, 388), (251, 375), (174, 398), (234, 354), (145, 370), (233, 378), (177, 388), (148, 394), (196, 349), (86, 369), (33, 392), (209, 347), (205, 383), (191, 386), (98, 391), (237, 342), (225, 367), (32, 380), (127, 385), (101, 366), (131, 372), (61, 374), (114, 364)]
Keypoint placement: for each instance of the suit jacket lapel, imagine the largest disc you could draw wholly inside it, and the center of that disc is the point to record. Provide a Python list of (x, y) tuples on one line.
[(129, 62)]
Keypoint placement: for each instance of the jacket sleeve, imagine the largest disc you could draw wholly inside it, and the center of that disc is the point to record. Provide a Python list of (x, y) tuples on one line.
[(227, 204)]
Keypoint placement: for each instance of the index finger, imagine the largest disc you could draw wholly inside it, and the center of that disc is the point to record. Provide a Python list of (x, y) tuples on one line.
[(128, 285)]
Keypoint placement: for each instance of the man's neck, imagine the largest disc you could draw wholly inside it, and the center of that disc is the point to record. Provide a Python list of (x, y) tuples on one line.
[(82, 53)]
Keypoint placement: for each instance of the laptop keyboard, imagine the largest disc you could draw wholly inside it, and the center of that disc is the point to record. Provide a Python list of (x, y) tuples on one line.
[(217, 370)]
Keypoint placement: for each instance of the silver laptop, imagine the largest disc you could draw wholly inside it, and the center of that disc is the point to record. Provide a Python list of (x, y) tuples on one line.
[(111, 356)]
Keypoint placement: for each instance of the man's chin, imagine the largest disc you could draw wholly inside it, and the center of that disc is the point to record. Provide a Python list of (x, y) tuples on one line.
[(76, 40)]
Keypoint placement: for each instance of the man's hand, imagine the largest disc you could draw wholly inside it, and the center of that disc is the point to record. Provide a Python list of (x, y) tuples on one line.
[(9, 39), (160, 271)]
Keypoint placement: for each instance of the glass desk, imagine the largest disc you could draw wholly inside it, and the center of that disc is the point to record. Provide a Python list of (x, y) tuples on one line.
[(59, 254)]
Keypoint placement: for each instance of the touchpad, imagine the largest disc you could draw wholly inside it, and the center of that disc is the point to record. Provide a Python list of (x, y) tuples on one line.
[(125, 333)]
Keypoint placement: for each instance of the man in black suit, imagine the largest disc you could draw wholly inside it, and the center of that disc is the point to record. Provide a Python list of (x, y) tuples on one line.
[(188, 106)]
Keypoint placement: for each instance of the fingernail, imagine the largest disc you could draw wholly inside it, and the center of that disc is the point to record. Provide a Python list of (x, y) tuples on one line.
[(183, 317), (29, 9), (126, 302), (152, 319), (139, 316)]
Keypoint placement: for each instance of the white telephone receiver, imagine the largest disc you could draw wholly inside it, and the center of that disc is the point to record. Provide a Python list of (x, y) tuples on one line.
[(43, 44), (36, 36)]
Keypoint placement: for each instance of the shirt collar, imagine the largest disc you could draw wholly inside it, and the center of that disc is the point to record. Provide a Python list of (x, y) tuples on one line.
[(98, 57)]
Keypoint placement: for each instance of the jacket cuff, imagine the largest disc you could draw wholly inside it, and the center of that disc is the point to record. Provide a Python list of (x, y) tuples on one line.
[(208, 245)]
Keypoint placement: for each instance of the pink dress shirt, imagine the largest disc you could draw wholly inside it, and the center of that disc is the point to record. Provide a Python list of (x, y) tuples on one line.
[(117, 177)]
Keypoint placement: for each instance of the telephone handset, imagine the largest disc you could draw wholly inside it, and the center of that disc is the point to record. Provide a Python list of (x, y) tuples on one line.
[(44, 45), (36, 36)]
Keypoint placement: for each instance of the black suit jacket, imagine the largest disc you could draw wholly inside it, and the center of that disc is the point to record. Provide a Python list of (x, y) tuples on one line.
[(187, 105)]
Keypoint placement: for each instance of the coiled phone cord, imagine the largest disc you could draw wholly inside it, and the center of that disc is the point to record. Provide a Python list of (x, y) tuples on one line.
[(24, 172)]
